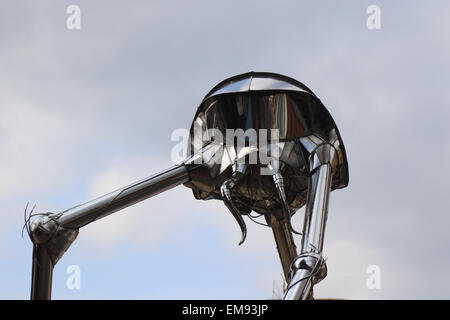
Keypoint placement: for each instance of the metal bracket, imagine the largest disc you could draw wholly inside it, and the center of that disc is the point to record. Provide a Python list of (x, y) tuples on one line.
[(47, 232)]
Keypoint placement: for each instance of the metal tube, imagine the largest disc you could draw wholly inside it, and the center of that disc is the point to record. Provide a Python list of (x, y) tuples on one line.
[(316, 210), (309, 262), (285, 244), (52, 235), (301, 283), (41, 274), (301, 287), (81, 215)]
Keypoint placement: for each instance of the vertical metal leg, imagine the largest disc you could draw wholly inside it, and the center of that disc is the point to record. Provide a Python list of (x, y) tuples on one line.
[(42, 273), (316, 210), (309, 267), (285, 244)]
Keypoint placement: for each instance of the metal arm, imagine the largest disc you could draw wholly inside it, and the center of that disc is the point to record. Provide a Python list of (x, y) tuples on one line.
[(84, 214), (52, 234)]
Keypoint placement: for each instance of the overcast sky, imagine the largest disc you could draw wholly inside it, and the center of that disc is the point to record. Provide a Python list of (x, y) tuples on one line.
[(83, 112)]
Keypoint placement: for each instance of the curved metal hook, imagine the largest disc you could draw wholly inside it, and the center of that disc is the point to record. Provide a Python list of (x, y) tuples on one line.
[(226, 195), (225, 191)]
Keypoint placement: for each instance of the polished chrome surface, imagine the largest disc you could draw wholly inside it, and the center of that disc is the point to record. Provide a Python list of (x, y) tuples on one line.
[(81, 215), (296, 114), (308, 268), (308, 138), (52, 234), (286, 152), (279, 185), (316, 210), (50, 242), (41, 274), (236, 177), (257, 81)]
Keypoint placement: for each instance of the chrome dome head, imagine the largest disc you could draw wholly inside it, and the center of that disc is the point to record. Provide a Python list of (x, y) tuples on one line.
[(263, 101)]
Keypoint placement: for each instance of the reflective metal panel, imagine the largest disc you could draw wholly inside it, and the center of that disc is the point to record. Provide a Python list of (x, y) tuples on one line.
[(275, 111), (269, 83), (257, 81), (282, 141), (263, 101)]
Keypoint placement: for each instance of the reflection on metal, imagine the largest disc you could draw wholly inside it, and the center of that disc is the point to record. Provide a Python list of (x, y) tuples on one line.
[(225, 189), (309, 267), (253, 171), (296, 112)]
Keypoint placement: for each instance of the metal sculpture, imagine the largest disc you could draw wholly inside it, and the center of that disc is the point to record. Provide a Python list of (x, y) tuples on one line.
[(235, 157)]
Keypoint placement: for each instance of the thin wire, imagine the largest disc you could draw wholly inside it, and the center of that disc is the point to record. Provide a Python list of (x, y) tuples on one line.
[(255, 216), (292, 228), (25, 226), (257, 222), (27, 219)]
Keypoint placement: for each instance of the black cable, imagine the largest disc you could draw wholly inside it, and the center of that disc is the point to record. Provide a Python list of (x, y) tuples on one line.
[(257, 222)]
